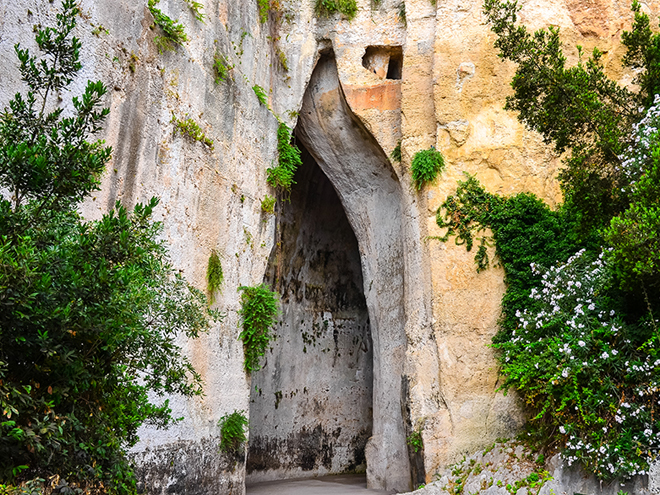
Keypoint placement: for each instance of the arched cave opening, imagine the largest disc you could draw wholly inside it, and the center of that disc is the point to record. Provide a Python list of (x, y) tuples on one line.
[(370, 197), (311, 403)]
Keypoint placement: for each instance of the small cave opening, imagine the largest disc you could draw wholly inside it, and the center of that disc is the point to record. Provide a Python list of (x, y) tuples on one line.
[(311, 403), (384, 61)]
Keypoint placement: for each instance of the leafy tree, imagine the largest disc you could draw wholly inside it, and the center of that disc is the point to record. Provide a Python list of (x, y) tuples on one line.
[(90, 309), (579, 109)]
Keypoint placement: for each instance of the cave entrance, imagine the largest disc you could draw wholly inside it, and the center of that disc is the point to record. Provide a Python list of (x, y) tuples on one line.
[(310, 407), (349, 159)]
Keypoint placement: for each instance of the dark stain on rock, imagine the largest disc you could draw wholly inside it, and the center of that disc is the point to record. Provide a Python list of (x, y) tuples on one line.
[(308, 449), (190, 468)]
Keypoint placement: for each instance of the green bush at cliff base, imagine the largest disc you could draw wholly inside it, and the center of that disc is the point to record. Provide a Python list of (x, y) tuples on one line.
[(329, 7), (426, 166), (259, 309), (584, 359)]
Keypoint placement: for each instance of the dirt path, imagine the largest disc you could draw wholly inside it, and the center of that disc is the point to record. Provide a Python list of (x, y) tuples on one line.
[(328, 485)]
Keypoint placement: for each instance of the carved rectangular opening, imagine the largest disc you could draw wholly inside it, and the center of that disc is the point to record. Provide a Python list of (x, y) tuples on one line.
[(384, 61)]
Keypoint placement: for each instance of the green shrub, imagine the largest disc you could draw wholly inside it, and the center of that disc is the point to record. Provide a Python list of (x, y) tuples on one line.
[(634, 234), (173, 31), (426, 165), (578, 337), (328, 7), (214, 275), (590, 378), (268, 204), (261, 94), (396, 152), (259, 309), (192, 130), (233, 429), (288, 160)]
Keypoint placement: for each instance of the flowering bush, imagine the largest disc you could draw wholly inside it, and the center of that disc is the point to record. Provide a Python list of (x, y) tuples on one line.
[(591, 379), (577, 336), (635, 233)]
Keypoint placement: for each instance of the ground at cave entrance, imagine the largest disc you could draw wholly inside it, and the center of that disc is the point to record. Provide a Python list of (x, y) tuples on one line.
[(327, 485)]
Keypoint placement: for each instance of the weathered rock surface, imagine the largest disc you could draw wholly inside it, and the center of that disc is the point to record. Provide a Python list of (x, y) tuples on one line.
[(434, 81), (511, 468)]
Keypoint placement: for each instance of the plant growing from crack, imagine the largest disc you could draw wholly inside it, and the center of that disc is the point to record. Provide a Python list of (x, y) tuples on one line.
[(188, 127), (261, 94), (174, 33), (328, 7), (288, 160)]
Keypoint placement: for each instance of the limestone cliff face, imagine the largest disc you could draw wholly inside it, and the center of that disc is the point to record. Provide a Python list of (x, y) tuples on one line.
[(360, 87)]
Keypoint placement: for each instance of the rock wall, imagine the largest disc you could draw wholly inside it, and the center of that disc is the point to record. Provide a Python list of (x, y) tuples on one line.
[(434, 80)]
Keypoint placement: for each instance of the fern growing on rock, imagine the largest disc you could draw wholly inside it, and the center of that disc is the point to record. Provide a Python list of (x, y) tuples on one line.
[(259, 308), (288, 160), (233, 429), (426, 166), (173, 31), (214, 275)]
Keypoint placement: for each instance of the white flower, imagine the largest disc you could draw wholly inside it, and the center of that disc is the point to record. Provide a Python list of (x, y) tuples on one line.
[(604, 355), (581, 343), (562, 429), (564, 373)]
